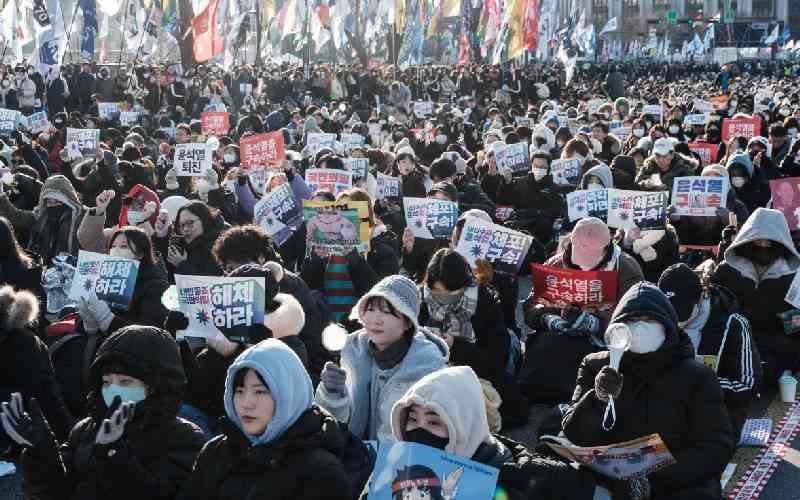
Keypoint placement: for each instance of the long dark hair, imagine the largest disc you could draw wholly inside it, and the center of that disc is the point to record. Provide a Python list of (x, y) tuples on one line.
[(10, 249), (450, 268), (138, 239), (203, 212)]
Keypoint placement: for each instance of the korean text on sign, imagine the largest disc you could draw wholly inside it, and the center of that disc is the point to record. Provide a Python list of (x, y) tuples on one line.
[(83, 139), (112, 279), (630, 209), (513, 157), (388, 186), (699, 196), (192, 160), (747, 127), (262, 149), (333, 181), (561, 286), (588, 204), (430, 218), (707, 152), (503, 247), (214, 123), (278, 213)]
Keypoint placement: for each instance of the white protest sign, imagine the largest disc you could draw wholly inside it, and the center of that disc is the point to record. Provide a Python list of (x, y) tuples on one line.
[(388, 186), (701, 106), (513, 157), (351, 141), (279, 213), (622, 133), (38, 122), (566, 172), (8, 121), (326, 179), (317, 141), (430, 218), (699, 196), (655, 110), (594, 105), (698, 119), (192, 160), (84, 140), (128, 118), (643, 209), (503, 247), (422, 109), (112, 279), (358, 166), (107, 110)]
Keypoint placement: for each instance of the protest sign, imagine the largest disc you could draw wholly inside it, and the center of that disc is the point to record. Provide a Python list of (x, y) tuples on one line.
[(430, 218), (423, 109), (523, 121), (262, 149), (258, 178), (585, 203), (699, 196), (654, 110), (336, 228), (503, 212), (594, 105), (112, 279), (358, 166), (747, 127), (411, 470), (169, 131), (513, 157), (84, 140), (8, 121), (317, 141), (388, 186), (707, 152), (793, 294), (351, 141), (622, 133), (561, 286), (566, 172), (279, 213), (701, 106), (38, 122), (107, 110), (696, 119), (327, 179), (211, 303), (503, 247), (638, 457), (192, 160), (215, 123), (128, 118), (786, 198), (642, 209)]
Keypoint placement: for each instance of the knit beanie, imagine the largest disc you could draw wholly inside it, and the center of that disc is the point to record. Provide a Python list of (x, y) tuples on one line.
[(397, 290)]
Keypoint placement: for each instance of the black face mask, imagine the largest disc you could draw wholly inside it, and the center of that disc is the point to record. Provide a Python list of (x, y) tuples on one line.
[(55, 213), (422, 436), (764, 256)]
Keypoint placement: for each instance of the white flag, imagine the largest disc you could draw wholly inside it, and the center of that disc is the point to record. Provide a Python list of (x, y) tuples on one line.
[(610, 26), (51, 39), (9, 26), (708, 39), (110, 7), (773, 37)]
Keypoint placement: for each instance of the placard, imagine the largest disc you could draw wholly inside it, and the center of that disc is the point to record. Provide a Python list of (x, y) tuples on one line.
[(594, 105), (643, 209), (112, 279), (84, 140), (215, 123), (560, 287), (430, 218), (192, 160), (514, 157), (317, 141), (388, 186), (107, 110), (128, 118), (747, 127), (696, 119), (654, 110), (786, 198), (503, 247), (701, 106), (351, 141), (423, 109), (566, 172), (706, 151), (211, 303), (587, 203), (262, 149), (8, 121), (622, 133), (336, 228), (409, 470), (327, 179), (38, 122), (699, 196), (279, 213), (358, 166)]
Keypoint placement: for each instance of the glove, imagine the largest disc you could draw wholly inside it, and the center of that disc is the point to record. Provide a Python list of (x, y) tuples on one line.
[(213, 179), (175, 321), (607, 383), (113, 426), (333, 378), (100, 311), (648, 254), (90, 325), (28, 430), (585, 322), (554, 323)]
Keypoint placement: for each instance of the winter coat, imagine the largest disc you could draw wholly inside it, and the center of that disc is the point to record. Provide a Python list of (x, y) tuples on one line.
[(200, 261), (755, 193), (370, 391), (666, 249), (708, 230), (665, 392), (146, 307), (681, 166), (536, 200), (57, 92), (470, 195)]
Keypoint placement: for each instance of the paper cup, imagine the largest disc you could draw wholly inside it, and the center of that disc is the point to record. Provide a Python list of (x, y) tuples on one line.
[(788, 391)]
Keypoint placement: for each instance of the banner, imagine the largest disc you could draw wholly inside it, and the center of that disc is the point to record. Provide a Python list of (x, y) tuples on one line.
[(499, 245), (560, 287), (358, 166), (90, 27), (317, 141), (786, 198), (336, 228), (262, 149), (279, 213), (566, 172), (707, 152), (192, 160), (513, 157), (700, 196), (747, 127), (388, 186), (112, 279), (84, 140), (326, 179), (585, 203), (208, 42), (8, 121), (642, 209), (211, 303), (216, 123), (429, 218), (37, 122), (411, 470)]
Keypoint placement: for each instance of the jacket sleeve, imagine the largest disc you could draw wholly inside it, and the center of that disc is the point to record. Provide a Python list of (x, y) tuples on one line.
[(739, 370), (338, 406), (90, 233), (582, 422), (20, 219), (46, 470), (361, 273), (329, 482)]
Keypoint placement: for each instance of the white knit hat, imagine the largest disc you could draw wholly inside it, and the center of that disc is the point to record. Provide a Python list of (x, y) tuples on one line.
[(397, 290)]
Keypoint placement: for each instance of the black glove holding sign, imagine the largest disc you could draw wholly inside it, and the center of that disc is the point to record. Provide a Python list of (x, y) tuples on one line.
[(272, 274)]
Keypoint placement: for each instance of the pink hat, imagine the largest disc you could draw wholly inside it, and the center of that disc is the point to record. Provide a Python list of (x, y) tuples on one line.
[(589, 238)]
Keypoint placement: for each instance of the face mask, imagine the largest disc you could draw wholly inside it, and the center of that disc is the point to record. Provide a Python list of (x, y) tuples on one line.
[(764, 256), (126, 394), (446, 299), (646, 336), (785, 111), (122, 253), (202, 186), (539, 173), (674, 129), (229, 158), (738, 182), (593, 186), (441, 139), (135, 217), (638, 132), (172, 185), (422, 436)]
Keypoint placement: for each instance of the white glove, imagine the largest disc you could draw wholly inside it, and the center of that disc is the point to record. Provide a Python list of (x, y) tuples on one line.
[(89, 324), (506, 173), (648, 254), (213, 179), (100, 311)]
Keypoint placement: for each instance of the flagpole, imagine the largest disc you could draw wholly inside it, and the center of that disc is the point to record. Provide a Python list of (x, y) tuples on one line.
[(122, 33), (71, 22)]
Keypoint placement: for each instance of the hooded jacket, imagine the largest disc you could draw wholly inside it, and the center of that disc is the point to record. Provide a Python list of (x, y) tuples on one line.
[(755, 192), (623, 169), (602, 172), (156, 452), (297, 456), (665, 392)]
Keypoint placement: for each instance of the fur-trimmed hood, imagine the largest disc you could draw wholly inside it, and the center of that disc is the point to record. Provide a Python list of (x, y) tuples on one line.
[(287, 319), (18, 308)]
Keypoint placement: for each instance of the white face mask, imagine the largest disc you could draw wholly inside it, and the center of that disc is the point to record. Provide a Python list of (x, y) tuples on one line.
[(539, 173), (793, 132), (593, 186), (738, 181), (202, 186), (638, 132), (122, 253), (135, 217), (674, 129), (229, 158), (441, 139), (646, 336)]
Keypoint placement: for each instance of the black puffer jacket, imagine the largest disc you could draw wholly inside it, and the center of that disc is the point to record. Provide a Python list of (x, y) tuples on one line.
[(665, 392), (146, 307), (303, 464)]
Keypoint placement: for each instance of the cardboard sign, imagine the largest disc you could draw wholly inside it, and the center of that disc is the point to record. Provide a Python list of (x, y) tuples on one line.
[(262, 149), (358, 166), (697, 119), (317, 141), (211, 303), (423, 109), (561, 287), (430, 218), (336, 228), (192, 160), (8, 121), (585, 203), (388, 186), (503, 247), (411, 470), (700, 196), (786, 198), (37, 122), (326, 179), (84, 140), (747, 127), (566, 172), (107, 110), (706, 151), (514, 157), (279, 213), (215, 123), (112, 279), (642, 209)]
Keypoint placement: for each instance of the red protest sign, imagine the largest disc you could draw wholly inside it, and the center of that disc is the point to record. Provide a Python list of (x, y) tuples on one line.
[(561, 287), (260, 149), (215, 123), (707, 152), (747, 127), (786, 198)]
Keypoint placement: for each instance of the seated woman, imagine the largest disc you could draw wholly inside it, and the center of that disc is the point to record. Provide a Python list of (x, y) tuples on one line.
[(275, 444)]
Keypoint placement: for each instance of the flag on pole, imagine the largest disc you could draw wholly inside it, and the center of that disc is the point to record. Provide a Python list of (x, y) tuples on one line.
[(9, 26), (610, 26), (773, 37), (51, 38), (109, 7), (207, 41), (90, 28), (708, 38)]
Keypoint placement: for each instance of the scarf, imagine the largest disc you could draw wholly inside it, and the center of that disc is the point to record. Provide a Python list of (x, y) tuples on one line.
[(456, 318), (392, 355), (695, 324)]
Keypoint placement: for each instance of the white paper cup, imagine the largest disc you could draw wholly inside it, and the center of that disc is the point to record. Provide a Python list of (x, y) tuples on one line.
[(788, 391)]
